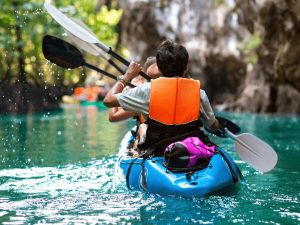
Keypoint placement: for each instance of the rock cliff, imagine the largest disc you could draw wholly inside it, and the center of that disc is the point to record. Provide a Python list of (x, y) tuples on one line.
[(246, 53)]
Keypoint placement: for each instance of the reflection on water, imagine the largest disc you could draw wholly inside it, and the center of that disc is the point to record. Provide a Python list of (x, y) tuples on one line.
[(60, 168), (76, 134)]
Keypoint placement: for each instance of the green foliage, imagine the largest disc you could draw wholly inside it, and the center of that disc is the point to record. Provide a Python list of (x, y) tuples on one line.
[(30, 17), (252, 43), (249, 48)]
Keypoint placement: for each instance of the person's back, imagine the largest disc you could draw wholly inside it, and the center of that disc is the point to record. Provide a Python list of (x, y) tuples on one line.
[(174, 102)]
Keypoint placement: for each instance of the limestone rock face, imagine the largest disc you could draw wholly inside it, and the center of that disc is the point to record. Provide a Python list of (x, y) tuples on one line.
[(278, 70), (139, 29), (213, 34), (209, 33)]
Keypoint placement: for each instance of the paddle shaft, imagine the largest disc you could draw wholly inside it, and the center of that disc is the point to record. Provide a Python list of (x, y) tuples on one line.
[(103, 72), (120, 58), (115, 66)]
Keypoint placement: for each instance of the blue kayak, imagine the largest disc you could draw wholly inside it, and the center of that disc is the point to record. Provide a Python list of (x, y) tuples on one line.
[(152, 176)]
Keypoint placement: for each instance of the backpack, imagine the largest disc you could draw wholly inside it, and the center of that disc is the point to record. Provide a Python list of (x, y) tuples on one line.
[(188, 155)]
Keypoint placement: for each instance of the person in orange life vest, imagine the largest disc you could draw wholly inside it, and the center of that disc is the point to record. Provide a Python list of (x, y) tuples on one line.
[(92, 91), (88, 93), (176, 106), (117, 114), (76, 97)]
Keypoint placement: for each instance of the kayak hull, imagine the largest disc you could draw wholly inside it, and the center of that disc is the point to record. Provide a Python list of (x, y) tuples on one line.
[(157, 179)]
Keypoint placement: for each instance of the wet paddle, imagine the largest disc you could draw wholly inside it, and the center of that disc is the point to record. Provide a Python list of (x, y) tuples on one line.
[(249, 148), (88, 47), (84, 35), (254, 151), (67, 56)]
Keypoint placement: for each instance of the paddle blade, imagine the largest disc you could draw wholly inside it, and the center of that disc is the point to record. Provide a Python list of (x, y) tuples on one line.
[(255, 152), (88, 47), (73, 27), (61, 53), (68, 24)]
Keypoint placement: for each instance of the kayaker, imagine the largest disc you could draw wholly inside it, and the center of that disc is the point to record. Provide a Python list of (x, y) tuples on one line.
[(91, 92), (175, 106)]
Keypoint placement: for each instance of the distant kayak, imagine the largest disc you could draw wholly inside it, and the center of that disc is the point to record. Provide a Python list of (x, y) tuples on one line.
[(98, 104), (152, 176)]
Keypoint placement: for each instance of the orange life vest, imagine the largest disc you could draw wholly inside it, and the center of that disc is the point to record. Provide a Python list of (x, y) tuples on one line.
[(78, 91), (174, 101), (92, 93), (174, 111)]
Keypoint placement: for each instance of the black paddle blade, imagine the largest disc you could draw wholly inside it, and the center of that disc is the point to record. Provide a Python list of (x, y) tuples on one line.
[(231, 126), (224, 123), (61, 53)]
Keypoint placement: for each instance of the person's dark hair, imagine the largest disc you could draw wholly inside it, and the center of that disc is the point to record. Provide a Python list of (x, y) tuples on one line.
[(172, 59)]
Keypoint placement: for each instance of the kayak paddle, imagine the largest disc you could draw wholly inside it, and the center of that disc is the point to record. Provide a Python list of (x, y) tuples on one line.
[(67, 56), (254, 151), (84, 35), (88, 47), (249, 148)]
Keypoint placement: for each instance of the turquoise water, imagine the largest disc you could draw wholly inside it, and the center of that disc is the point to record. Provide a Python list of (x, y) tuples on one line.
[(60, 168)]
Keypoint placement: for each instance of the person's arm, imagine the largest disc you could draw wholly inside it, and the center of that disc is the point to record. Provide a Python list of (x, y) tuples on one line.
[(117, 114), (110, 99), (215, 126), (207, 114)]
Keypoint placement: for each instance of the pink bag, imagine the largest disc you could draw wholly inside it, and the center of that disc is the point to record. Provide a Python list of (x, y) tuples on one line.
[(187, 153)]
